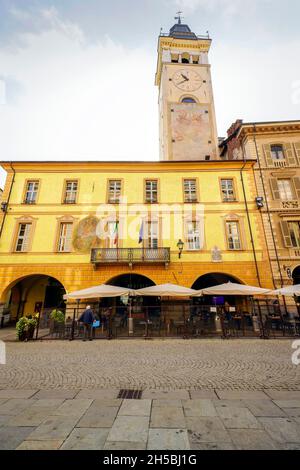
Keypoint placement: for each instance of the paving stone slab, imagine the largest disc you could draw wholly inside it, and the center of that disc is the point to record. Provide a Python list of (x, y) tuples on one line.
[(100, 418), (238, 418), (168, 439), (167, 417), (264, 408), (40, 445), (165, 402), (252, 439), (3, 400), (11, 437), (205, 394), (4, 419), (209, 430), (56, 393), (230, 403), (106, 403), (292, 412), (199, 407), (99, 394), (289, 446), (166, 394), (86, 439), (48, 404), (29, 417), (54, 428), (135, 408), (282, 430), (15, 406), (76, 407), (125, 446), (241, 395), (15, 393), (283, 394), (129, 429), (287, 403), (213, 446)]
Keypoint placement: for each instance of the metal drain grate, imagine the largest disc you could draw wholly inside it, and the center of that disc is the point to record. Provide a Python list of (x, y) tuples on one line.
[(130, 394)]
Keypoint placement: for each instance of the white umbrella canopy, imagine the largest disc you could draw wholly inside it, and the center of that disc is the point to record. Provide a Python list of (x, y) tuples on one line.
[(231, 288), (288, 291), (166, 290), (104, 290)]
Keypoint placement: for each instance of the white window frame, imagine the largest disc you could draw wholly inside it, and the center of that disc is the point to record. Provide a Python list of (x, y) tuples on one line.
[(233, 239), (278, 154), (193, 235), (152, 234), (292, 233), (284, 194), (226, 190), (114, 191), (65, 237), (23, 239), (151, 191), (71, 194), (31, 193), (190, 190)]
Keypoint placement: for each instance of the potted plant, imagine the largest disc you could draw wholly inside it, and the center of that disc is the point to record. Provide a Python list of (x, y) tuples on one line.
[(25, 328), (57, 321)]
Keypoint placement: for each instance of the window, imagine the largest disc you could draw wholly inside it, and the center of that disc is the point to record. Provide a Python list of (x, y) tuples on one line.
[(65, 237), (151, 240), (112, 240), (23, 237), (233, 235), (151, 191), (31, 192), (188, 100), (114, 191), (193, 235), (71, 192), (190, 190), (277, 152), (227, 189), (294, 231), (285, 190)]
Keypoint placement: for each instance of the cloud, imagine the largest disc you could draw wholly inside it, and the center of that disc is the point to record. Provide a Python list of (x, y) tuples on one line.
[(223, 7), (77, 100)]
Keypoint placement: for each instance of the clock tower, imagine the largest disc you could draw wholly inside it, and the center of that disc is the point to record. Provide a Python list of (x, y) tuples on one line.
[(186, 106)]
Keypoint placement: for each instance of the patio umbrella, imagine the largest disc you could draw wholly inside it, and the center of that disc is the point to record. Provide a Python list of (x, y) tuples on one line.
[(288, 291), (231, 288), (166, 290), (96, 292)]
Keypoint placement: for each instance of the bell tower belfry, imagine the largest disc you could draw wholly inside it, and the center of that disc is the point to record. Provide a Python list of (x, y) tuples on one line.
[(187, 118)]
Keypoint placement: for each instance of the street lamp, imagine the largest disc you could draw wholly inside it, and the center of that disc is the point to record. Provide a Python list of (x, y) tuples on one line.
[(180, 246)]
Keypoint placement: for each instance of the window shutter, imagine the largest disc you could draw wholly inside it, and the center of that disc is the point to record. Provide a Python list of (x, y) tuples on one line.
[(274, 188), (297, 186), (286, 234), (26, 237), (297, 150), (268, 155), (290, 155)]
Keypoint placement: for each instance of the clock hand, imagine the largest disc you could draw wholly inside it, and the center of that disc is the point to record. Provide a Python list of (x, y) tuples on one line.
[(185, 77), (183, 81)]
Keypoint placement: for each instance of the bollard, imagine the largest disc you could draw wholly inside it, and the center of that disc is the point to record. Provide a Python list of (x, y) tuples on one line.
[(130, 326)]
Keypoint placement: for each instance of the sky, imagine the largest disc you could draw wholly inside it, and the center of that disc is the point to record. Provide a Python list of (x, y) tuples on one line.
[(77, 76)]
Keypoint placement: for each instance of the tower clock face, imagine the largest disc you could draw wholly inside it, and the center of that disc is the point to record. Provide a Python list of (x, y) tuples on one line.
[(187, 80)]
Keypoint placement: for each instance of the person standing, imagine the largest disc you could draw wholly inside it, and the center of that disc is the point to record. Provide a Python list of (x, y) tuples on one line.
[(87, 318)]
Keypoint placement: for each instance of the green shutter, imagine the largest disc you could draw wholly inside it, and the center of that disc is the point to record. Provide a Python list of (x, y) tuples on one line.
[(274, 188), (286, 234), (290, 155), (268, 155), (297, 187)]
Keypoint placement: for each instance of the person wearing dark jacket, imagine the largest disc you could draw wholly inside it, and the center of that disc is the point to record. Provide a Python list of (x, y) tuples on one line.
[(87, 318)]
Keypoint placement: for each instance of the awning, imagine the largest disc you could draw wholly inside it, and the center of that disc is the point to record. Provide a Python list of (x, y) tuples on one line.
[(104, 290), (288, 291), (166, 290), (231, 288)]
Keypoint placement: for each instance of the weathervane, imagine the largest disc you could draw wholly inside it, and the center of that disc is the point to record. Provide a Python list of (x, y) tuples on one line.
[(179, 17)]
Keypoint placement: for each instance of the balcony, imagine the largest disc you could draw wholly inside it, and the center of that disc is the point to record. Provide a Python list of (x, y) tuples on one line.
[(130, 256), (280, 163)]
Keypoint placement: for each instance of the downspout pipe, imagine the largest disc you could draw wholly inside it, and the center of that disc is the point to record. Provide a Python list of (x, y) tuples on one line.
[(8, 199), (249, 224)]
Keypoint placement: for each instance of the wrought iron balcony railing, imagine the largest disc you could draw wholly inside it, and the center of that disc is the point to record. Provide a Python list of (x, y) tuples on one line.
[(130, 255)]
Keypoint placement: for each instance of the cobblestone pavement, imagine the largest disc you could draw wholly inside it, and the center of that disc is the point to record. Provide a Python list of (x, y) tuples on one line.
[(158, 364), (96, 419)]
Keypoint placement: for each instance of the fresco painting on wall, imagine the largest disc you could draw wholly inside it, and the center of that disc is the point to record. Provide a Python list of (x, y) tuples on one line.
[(190, 131)]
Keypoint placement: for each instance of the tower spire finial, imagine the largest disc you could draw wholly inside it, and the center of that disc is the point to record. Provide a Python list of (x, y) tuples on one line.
[(179, 17)]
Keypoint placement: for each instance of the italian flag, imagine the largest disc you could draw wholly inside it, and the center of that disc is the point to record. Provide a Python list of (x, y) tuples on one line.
[(116, 233)]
